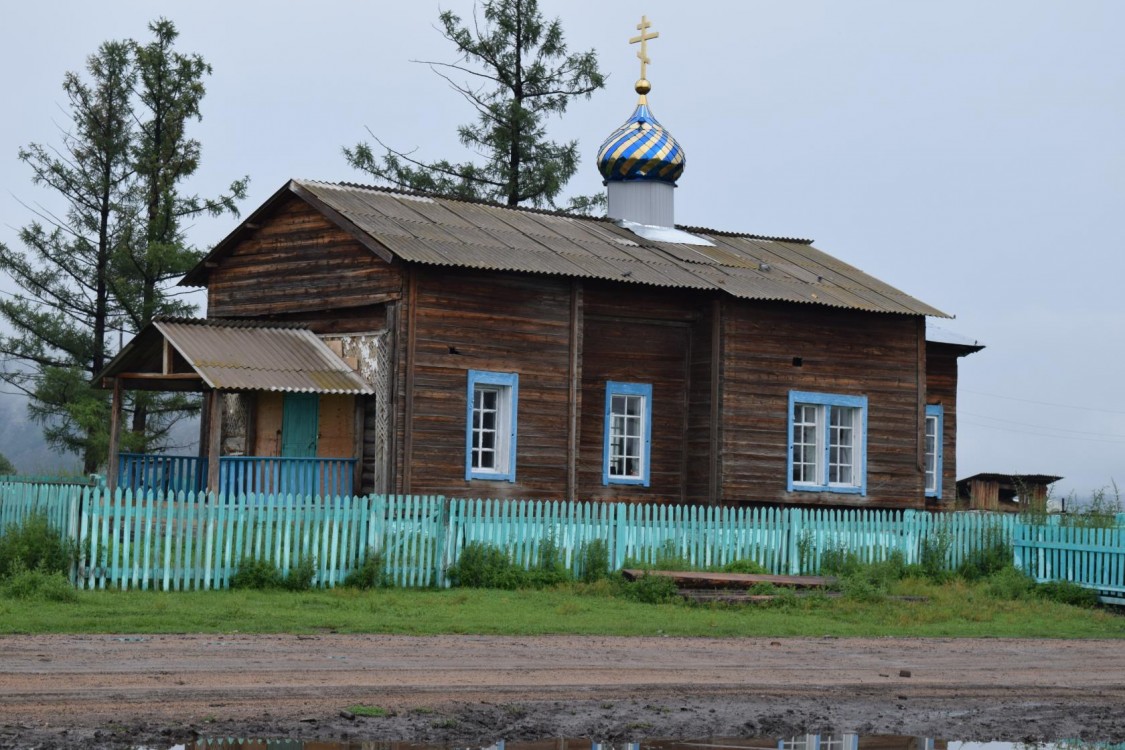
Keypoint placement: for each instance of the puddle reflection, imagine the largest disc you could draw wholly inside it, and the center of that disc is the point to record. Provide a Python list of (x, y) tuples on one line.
[(835, 741)]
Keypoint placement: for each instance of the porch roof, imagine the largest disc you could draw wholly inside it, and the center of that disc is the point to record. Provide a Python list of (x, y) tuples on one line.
[(194, 354)]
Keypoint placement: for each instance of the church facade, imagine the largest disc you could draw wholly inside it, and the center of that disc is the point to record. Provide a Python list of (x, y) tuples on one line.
[(516, 353)]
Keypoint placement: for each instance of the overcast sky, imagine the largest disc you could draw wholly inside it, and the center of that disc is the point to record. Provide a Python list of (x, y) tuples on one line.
[(971, 154)]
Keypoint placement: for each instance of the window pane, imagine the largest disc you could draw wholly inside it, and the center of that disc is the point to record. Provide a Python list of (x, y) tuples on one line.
[(626, 431), (489, 427), (806, 446), (841, 444), (931, 453), (633, 406)]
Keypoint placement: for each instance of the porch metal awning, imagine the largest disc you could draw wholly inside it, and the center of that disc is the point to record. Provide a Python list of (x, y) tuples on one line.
[(171, 354)]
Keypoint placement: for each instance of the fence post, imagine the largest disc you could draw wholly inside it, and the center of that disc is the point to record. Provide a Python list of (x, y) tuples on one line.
[(443, 533), (795, 531), (909, 538), (72, 531), (619, 536), (1017, 550)]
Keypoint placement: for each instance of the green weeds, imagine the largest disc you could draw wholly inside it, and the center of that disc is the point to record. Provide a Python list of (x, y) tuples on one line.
[(368, 711), (372, 574), (255, 573), (33, 544)]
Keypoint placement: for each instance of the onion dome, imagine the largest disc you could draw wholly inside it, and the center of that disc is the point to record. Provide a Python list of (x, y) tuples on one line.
[(641, 149)]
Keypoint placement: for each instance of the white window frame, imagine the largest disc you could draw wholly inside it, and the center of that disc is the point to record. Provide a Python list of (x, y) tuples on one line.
[(506, 387), (818, 446), (934, 455), (642, 391)]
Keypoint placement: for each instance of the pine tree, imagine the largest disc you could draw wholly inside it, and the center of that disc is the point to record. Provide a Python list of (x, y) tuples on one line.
[(518, 72), (102, 265)]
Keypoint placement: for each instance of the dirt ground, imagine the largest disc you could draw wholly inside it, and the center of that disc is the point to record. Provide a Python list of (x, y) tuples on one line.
[(121, 691)]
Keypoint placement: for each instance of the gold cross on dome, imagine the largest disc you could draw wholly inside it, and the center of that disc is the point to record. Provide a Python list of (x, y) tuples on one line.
[(643, 38)]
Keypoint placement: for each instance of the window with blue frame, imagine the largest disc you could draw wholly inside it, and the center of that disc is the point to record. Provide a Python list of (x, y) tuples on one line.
[(827, 443), (490, 425), (628, 433), (935, 417)]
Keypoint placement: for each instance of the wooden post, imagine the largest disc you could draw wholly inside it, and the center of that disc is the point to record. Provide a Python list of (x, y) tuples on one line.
[(920, 415), (357, 442), (574, 392), (204, 423), (714, 484), (387, 401), (114, 436), (408, 411), (214, 439)]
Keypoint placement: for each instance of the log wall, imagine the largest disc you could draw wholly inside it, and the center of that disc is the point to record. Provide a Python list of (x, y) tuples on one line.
[(463, 321), (840, 352), (637, 336), (297, 261), (941, 388)]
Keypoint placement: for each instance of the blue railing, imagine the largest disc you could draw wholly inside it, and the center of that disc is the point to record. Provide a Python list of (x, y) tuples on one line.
[(238, 475)]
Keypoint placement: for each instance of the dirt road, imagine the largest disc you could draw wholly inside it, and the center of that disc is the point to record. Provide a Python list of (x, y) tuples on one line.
[(109, 691)]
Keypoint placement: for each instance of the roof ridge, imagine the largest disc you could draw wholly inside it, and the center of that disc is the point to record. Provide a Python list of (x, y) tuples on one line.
[(541, 211), (229, 322), (459, 199)]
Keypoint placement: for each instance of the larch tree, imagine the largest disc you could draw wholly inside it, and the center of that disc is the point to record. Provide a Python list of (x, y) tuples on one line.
[(169, 91), (101, 266), (517, 72), (61, 316)]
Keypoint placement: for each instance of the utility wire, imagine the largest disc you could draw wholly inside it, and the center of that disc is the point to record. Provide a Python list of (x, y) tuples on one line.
[(1088, 433), (1043, 434), (1098, 409)]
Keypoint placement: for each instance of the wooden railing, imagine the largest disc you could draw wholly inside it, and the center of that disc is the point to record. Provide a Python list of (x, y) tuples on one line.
[(155, 472), (238, 475), (272, 475)]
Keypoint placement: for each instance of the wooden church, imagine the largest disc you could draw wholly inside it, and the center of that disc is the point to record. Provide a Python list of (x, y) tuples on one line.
[(367, 339)]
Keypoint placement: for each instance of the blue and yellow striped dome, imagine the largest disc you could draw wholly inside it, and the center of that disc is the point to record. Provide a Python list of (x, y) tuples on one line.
[(641, 149)]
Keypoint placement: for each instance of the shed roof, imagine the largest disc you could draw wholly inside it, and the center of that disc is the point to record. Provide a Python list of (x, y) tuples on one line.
[(451, 232), (234, 356), (1013, 479)]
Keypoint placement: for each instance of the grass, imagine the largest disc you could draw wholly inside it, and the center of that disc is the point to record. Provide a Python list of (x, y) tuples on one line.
[(957, 608), (373, 711)]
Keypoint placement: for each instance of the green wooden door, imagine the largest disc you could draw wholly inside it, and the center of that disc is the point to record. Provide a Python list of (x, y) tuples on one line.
[(300, 414)]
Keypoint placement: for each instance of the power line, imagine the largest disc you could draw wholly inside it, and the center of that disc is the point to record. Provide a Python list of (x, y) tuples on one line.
[(1098, 409), (1043, 426), (1043, 434)]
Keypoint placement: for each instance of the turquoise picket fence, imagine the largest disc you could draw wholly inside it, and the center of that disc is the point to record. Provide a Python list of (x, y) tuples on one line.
[(179, 541), (782, 540), (182, 542), (1090, 557), (59, 500)]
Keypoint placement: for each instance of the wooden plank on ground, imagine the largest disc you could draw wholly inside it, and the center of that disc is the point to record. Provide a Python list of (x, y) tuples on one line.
[(698, 579), (727, 596)]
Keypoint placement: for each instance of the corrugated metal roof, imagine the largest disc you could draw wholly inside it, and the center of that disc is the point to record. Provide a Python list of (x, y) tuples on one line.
[(257, 357), (451, 232)]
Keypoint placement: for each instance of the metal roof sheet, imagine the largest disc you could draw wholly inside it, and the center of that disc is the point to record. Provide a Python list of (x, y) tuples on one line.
[(264, 358), (458, 233)]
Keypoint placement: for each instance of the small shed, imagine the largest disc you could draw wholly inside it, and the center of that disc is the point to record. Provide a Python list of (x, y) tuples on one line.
[(1004, 492)]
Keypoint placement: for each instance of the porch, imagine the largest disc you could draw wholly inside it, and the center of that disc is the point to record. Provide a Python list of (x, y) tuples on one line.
[(283, 411), (238, 475)]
